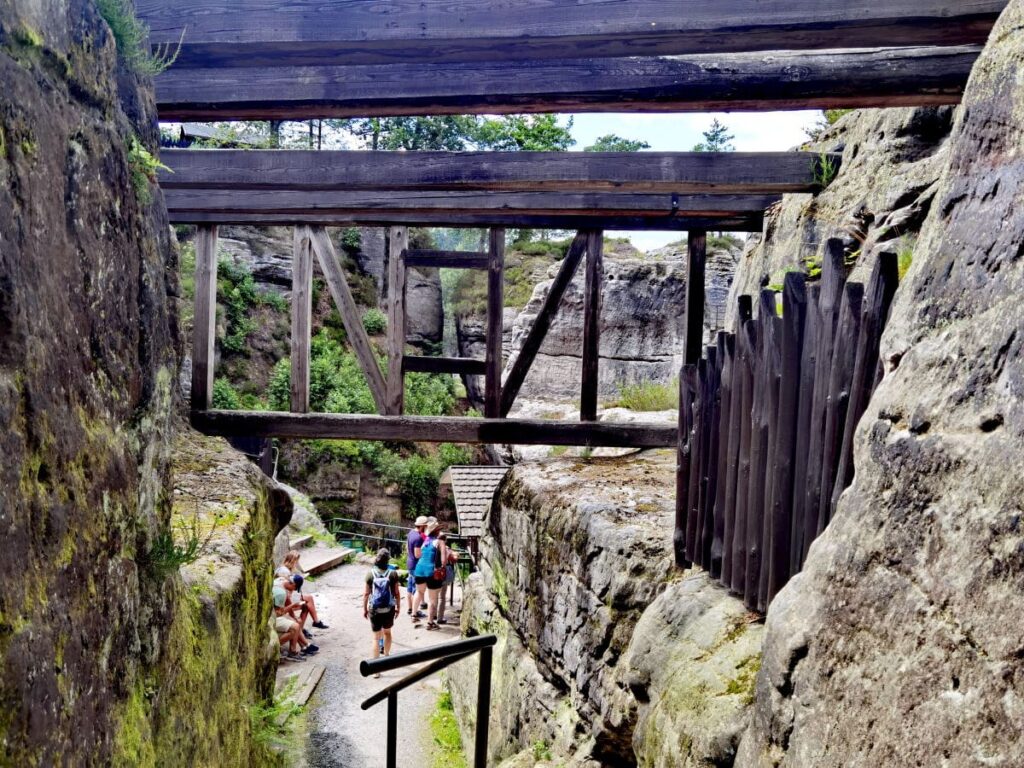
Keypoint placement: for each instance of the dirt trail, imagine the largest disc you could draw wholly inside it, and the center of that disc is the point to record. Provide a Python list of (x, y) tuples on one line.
[(341, 734)]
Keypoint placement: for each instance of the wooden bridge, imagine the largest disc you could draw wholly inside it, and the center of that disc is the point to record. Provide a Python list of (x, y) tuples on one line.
[(741, 426)]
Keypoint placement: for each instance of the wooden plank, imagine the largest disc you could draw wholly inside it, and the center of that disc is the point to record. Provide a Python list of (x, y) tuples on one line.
[(495, 315), (727, 492), (204, 323), (248, 33), (683, 468), (773, 375), (346, 202), (462, 366), (302, 318), (350, 316), (698, 380), (541, 323), (693, 332), (706, 371), (678, 173), (434, 429), (593, 290), (448, 259), (726, 458), (877, 302), (714, 355), (752, 222), (840, 380), (886, 77), (833, 278), (805, 399), (747, 348), (794, 314), (398, 244)]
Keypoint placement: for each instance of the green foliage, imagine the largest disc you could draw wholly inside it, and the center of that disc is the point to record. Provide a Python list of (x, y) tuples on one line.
[(143, 168), (541, 751), (723, 241), (351, 240), (132, 38), (225, 396), (828, 118), (462, 132), (716, 139), (276, 724), (824, 170), (445, 731), (649, 396), (905, 258), (374, 321), (612, 143), (524, 133), (181, 545), (237, 292)]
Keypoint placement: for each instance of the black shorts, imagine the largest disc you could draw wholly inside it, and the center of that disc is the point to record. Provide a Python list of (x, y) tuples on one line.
[(381, 621), (430, 581)]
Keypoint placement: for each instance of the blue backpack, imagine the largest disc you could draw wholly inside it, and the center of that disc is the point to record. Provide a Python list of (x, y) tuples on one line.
[(382, 598), (425, 565)]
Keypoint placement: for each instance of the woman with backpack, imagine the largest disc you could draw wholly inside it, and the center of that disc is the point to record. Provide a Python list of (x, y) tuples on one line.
[(382, 600), (431, 557)]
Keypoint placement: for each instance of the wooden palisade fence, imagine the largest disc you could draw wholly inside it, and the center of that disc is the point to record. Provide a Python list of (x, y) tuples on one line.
[(767, 418)]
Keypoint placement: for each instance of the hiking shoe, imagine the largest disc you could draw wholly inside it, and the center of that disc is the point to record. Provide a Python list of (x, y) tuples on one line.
[(423, 606), (442, 621), (308, 635), (319, 624), (310, 650), (420, 614), (293, 657)]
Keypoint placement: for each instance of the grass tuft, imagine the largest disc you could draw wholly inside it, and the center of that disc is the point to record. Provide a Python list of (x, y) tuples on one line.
[(132, 39), (649, 396), (445, 731)]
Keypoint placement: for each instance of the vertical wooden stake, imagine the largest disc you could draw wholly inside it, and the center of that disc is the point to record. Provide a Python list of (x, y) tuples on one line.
[(495, 311), (592, 291), (397, 321), (205, 319), (694, 330), (302, 318)]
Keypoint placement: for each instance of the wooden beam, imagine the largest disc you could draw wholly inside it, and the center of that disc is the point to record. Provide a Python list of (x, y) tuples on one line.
[(350, 316), (495, 314), (302, 318), (259, 32), (669, 172), (541, 323), (693, 335), (397, 246), (434, 429), (462, 366), (204, 322), (887, 77), (449, 259), (592, 294)]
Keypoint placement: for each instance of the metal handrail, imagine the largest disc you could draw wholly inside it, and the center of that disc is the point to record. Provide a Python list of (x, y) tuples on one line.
[(372, 524), (440, 657)]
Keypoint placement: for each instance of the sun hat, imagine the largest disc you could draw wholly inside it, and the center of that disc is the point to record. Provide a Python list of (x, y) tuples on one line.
[(421, 521), (433, 527)]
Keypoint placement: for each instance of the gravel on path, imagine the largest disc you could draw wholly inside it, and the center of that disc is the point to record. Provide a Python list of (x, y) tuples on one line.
[(341, 735)]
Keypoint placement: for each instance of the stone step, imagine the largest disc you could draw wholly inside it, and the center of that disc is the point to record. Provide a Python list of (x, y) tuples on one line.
[(301, 541), (322, 558), (300, 680)]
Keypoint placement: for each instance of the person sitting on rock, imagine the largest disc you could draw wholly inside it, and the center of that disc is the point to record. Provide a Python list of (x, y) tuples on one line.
[(299, 611), (288, 630), (382, 600), (291, 562), (413, 541)]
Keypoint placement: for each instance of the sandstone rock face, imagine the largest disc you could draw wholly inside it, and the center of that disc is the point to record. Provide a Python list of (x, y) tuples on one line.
[(87, 365), (424, 306), (604, 658), (641, 325), (901, 643)]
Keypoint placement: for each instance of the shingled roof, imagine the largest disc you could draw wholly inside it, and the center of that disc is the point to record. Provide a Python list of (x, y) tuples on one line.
[(473, 488)]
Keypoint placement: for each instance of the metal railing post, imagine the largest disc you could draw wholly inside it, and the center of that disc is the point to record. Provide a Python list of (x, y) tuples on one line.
[(393, 729), (483, 708)]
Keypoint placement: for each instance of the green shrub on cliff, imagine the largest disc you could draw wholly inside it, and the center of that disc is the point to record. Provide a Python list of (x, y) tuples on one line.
[(374, 321), (649, 396), (132, 38)]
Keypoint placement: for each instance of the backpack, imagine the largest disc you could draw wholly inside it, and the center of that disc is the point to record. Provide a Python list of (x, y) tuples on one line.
[(382, 597), (428, 554)]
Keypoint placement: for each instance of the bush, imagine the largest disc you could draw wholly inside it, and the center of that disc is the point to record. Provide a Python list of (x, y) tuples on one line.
[(649, 396), (225, 397), (375, 322)]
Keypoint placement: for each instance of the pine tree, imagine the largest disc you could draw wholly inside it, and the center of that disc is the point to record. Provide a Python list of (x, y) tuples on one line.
[(716, 139)]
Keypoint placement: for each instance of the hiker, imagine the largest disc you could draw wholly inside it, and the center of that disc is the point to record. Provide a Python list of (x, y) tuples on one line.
[(300, 612), (382, 600), (414, 540), (291, 562), (430, 558), (449, 577), (288, 630)]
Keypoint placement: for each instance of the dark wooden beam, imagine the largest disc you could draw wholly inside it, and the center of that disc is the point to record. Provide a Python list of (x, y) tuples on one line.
[(462, 366), (593, 289), (204, 322), (495, 315), (449, 259), (302, 318), (670, 172), (398, 244), (350, 316), (261, 32), (887, 77), (434, 429), (541, 323), (693, 335)]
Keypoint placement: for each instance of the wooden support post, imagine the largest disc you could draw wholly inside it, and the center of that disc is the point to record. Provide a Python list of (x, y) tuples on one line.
[(204, 322), (302, 318), (805, 400), (747, 349), (399, 244), (695, 374), (726, 450), (350, 316), (683, 448), (592, 325), (495, 312), (694, 329), (541, 324)]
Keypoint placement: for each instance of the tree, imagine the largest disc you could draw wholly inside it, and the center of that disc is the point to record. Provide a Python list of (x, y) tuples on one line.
[(524, 133), (716, 139), (826, 120), (612, 143)]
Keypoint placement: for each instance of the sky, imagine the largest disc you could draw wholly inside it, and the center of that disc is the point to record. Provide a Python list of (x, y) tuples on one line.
[(754, 132)]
